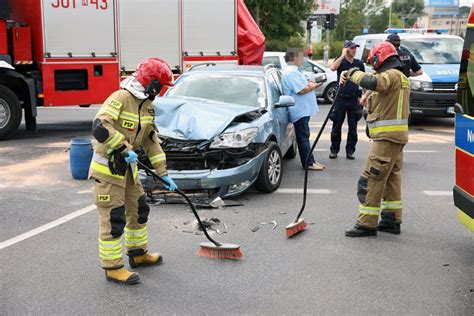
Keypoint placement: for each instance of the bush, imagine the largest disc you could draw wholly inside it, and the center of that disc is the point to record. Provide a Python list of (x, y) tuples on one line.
[(335, 48), (277, 45)]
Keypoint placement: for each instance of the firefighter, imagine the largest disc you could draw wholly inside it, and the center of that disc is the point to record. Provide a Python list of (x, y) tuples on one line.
[(124, 124), (379, 187)]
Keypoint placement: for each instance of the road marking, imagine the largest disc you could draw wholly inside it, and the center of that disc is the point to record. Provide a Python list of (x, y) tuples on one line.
[(310, 191), (46, 227), (438, 193), (85, 191)]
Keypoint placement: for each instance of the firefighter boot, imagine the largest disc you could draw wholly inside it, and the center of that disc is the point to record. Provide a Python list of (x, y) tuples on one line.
[(146, 259), (388, 224), (122, 275), (359, 231)]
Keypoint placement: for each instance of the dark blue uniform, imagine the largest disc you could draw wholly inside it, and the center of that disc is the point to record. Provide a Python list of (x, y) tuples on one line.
[(408, 61), (346, 102)]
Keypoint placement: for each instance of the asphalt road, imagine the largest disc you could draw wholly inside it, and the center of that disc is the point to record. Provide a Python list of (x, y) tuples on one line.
[(428, 269)]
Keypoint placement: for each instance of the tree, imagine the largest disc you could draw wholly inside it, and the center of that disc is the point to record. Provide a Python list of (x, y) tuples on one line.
[(408, 10), (280, 19), (379, 23), (351, 20)]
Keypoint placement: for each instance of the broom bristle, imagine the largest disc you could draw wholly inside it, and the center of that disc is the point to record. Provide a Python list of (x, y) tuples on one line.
[(295, 228), (225, 251)]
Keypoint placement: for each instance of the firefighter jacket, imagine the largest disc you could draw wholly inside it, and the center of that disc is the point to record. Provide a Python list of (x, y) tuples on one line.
[(389, 104), (125, 123)]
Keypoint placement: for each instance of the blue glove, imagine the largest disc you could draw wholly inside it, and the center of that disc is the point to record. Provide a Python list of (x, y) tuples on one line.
[(131, 157), (171, 185)]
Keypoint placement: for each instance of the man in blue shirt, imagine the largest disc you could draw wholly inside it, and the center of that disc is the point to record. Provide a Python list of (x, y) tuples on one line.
[(297, 85), (347, 101)]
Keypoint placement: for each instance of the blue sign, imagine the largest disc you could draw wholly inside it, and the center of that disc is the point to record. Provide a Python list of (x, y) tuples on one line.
[(442, 3), (465, 133)]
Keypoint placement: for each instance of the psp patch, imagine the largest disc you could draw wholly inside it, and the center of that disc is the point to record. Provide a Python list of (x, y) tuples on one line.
[(116, 104), (128, 124), (103, 198)]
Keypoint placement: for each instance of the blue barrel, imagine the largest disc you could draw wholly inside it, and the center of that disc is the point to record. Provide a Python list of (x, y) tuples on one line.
[(80, 156)]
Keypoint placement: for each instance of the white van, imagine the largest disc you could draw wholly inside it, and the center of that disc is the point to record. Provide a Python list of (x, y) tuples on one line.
[(439, 55)]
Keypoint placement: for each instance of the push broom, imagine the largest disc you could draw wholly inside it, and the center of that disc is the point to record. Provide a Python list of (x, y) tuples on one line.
[(211, 249), (299, 223)]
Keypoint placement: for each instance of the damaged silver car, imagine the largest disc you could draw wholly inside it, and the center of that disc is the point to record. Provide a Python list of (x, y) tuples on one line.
[(224, 128)]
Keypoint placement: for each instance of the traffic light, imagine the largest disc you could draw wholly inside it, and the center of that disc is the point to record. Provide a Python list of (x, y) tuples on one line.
[(309, 24), (330, 22)]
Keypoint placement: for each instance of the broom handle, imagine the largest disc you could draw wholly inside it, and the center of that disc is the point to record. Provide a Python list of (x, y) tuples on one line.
[(309, 153), (191, 205)]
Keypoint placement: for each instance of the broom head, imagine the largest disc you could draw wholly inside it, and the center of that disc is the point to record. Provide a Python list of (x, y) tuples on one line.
[(224, 251), (295, 227)]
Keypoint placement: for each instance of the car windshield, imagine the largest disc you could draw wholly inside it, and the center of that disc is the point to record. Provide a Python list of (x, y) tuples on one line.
[(237, 89), (435, 50)]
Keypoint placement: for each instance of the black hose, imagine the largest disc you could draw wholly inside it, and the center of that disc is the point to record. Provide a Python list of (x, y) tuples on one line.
[(309, 154), (191, 205)]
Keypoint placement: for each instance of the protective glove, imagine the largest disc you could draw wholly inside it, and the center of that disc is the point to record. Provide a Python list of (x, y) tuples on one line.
[(131, 157), (171, 185)]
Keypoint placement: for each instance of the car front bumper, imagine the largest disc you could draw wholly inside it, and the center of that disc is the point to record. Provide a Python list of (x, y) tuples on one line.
[(437, 104), (226, 182)]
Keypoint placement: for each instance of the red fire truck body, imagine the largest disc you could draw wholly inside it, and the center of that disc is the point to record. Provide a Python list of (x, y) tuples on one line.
[(73, 52)]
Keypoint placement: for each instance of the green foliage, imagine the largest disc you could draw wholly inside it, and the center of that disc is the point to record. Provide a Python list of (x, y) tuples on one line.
[(408, 10), (277, 45), (379, 23), (280, 19), (335, 49)]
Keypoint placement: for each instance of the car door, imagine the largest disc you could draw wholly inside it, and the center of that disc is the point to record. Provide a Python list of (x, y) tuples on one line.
[(285, 127)]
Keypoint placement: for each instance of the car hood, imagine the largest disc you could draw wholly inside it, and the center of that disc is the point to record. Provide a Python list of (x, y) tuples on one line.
[(195, 118)]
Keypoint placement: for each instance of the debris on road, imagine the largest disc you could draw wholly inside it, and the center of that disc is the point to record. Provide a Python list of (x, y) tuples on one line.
[(255, 228), (274, 224)]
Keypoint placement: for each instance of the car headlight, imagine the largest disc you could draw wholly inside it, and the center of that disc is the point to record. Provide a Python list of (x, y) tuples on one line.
[(421, 85), (237, 139)]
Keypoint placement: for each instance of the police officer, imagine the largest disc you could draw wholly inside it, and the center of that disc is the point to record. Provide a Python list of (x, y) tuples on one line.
[(346, 102), (379, 187), (411, 68), (124, 124)]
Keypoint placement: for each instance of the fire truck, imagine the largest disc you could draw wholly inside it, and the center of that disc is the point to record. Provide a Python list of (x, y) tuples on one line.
[(74, 52), (463, 191)]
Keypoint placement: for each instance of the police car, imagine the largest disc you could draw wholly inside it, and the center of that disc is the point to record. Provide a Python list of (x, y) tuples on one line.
[(432, 93)]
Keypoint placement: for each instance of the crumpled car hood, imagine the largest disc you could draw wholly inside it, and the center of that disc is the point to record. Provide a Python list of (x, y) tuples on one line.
[(195, 118)]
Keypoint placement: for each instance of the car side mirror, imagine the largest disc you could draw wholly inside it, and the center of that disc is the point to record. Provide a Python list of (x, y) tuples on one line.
[(320, 77), (285, 101)]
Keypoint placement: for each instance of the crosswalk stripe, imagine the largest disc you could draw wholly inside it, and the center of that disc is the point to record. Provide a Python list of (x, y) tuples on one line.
[(438, 193)]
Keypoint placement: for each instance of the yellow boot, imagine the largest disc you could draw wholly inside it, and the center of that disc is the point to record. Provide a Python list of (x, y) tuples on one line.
[(147, 259), (122, 275)]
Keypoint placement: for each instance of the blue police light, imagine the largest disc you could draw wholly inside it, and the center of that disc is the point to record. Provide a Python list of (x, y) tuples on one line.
[(415, 31)]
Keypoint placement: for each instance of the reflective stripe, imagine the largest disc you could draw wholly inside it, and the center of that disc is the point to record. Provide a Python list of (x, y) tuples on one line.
[(110, 250), (115, 140), (105, 170), (392, 205), (405, 83), (157, 158), (112, 112), (146, 119), (369, 210), (129, 116), (398, 125), (357, 76), (135, 171), (136, 237)]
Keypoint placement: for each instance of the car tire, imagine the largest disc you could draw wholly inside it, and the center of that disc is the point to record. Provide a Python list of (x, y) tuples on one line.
[(330, 92), (292, 151), (10, 112), (269, 177)]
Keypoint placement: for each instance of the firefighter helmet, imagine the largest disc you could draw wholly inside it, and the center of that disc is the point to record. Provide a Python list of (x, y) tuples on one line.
[(153, 69), (380, 53)]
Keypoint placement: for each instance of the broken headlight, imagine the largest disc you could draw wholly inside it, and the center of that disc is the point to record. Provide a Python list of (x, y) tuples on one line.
[(237, 139)]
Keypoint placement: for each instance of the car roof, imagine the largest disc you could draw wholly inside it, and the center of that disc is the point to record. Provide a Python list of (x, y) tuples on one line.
[(230, 68), (405, 36), (269, 54)]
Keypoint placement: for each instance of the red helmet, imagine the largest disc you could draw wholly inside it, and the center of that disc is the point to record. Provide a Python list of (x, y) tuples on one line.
[(154, 69), (380, 53)]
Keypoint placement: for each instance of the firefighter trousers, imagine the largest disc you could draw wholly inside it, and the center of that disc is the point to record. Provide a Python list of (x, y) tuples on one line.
[(379, 187), (121, 209)]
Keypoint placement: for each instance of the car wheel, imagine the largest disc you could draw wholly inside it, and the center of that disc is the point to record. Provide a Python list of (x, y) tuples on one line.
[(10, 112), (269, 178), (330, 92), (292, 151)]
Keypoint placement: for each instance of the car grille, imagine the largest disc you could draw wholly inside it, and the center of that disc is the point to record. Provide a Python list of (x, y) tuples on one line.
[(443, 85), (420, 103)]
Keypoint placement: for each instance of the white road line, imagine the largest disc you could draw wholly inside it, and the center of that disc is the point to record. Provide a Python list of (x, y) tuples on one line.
[(46, 227), (438, 193), (310, 191)]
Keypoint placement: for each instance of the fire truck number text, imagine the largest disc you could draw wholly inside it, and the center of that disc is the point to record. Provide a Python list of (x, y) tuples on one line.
[(99, 4)]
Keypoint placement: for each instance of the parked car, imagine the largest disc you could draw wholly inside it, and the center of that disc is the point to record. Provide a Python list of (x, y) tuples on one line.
[(311, 69), (224, 128), (439, 55)]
